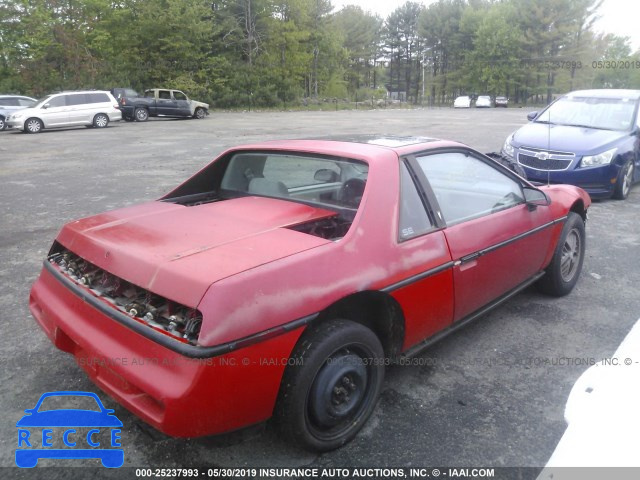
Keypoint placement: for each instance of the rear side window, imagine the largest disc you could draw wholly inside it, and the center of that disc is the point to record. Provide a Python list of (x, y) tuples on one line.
[(9, 102), (164, 94), (98, 97), (77, 99), (414, 220), (26, 102)]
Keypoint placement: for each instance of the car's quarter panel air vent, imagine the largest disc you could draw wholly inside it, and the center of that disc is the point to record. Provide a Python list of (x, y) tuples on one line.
[(176, 320)]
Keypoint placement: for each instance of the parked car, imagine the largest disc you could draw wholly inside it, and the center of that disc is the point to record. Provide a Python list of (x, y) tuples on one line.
[(284, 276), (502, 102), (11, 103), (483, 101), (158, 102), (462, 102), (90, 108), (588, 138)]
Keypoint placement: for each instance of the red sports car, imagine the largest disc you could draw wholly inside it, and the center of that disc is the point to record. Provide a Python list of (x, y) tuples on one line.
[(282, 278)]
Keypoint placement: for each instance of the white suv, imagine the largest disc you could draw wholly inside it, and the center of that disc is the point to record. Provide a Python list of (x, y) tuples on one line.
[(91, 108)]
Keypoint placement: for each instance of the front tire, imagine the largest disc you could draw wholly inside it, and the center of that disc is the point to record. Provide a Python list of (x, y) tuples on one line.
[(33, 125), (564, 270), (100, 120), (330, 390), (624, 182), (3, 124), (200, 113)]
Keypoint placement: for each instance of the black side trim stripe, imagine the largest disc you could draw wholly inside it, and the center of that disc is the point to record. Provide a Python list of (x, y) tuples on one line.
[(469, 257), (513, 239), (191, 351), (470, 318), (419, 276)]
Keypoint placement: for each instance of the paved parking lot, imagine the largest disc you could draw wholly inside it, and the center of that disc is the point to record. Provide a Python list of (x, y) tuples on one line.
[(490, 395)]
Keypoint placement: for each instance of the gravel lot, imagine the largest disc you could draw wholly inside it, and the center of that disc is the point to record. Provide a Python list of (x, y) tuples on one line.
[(490, 395)]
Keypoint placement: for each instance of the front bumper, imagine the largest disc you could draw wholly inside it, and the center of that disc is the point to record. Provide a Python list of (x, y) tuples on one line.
[(180, 396), (598, 182), (15, 124)]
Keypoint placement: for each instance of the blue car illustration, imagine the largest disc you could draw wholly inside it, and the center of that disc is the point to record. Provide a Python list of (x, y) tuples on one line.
[(29, 451)]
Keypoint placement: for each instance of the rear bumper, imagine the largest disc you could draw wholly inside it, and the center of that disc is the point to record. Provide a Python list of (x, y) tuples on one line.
[(178, 395)]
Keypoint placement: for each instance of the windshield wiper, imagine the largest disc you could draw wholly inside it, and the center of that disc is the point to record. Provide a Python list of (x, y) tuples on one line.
[(586, 126)]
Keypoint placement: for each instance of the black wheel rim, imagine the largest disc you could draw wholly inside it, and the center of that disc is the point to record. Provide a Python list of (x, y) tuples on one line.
[(341, 393), (627, 180), (571, 252)]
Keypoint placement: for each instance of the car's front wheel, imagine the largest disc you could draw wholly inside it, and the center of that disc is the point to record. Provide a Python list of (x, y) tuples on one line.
[(564, 270), (200, 113), (33, 125), (624, 182), (331, 385), (3, 124)]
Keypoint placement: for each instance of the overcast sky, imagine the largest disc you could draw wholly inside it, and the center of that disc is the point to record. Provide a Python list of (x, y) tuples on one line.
[(621, 17)]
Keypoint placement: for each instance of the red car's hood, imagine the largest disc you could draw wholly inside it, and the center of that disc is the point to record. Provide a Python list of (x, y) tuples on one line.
[(178, 252)]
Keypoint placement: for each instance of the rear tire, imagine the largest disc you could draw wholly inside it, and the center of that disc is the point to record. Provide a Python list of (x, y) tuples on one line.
[(33, 125), (141, 114), (100, 120), (564, 270), (3, 124), (330, 390), (624, 182)]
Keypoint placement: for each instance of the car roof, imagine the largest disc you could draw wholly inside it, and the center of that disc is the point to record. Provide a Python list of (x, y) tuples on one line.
[(606, 93), (370, 147)]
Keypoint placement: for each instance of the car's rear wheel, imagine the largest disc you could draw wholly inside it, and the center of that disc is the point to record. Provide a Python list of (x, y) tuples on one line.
[(200, 113), (564, 270), (141, 114), (331, 385), (3, 124), (33, 125), (100, 120), (624, 182)]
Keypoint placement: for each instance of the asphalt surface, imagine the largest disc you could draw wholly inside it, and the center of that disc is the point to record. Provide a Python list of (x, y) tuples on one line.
[(492, 394)]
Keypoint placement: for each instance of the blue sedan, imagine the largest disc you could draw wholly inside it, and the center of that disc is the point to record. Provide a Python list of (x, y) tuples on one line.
[(588, 138)]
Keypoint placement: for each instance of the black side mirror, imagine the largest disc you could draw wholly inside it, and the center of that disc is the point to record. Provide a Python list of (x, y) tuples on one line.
[(532, 116), (535, 198), (46, 105)]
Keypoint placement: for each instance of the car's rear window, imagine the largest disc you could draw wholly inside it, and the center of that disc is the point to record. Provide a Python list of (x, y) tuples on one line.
[(327, 181)]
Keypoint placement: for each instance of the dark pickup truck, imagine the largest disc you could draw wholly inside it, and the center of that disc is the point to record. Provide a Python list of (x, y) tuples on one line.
[(157, 102)]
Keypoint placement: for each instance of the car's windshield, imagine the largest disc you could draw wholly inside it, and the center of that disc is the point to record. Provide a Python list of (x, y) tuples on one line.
[(591, 112), (66, 402), (310, 179), (41, 101)]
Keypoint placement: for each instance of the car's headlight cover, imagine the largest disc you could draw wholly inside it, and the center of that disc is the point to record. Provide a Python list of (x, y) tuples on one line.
[(15, 116), (603, 158), (507, 148)]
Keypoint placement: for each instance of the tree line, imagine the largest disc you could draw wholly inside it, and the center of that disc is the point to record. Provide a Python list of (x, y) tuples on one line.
[(268, 53)]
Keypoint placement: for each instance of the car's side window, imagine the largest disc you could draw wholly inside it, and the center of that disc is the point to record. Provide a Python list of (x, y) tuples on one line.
[(26, 102), (414, 220), (164, 94), (467, 187), (59, 101), (179, 95), (76, 99)]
